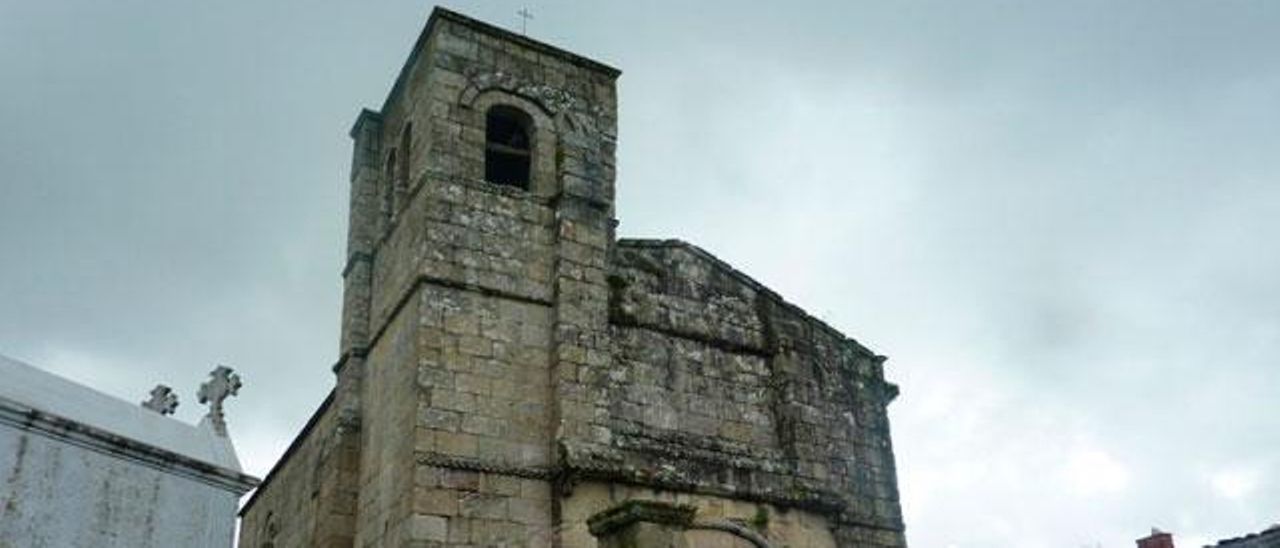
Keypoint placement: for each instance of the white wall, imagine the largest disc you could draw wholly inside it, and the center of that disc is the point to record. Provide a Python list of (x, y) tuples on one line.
[(58, 494)]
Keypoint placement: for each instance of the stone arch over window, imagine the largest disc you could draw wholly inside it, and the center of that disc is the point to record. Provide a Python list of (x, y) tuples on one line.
[(271, 530), (540, 140), (722, 534), (657, 524)]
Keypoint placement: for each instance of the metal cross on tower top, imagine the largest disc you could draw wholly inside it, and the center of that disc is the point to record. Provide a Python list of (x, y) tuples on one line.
[(223, 383), (525, 16)]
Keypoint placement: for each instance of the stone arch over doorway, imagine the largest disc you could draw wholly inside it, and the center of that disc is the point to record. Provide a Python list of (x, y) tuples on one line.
[(653, 524)]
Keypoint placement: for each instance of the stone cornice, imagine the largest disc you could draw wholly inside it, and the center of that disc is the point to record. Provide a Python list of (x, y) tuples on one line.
[(27, 419), (566, 475), (441, 14)]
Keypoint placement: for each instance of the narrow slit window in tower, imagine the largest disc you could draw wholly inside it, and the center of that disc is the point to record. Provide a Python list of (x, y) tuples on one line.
[(388, 186), (406, 155), (507, 149)]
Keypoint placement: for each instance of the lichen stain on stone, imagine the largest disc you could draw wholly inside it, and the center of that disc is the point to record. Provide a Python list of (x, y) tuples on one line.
[(761, 520), (104, 513), (11, 482), (153, 502)]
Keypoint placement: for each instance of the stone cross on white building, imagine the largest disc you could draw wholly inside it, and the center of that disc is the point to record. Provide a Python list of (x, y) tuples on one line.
[(83, 468), (223, 383), (162, 400)]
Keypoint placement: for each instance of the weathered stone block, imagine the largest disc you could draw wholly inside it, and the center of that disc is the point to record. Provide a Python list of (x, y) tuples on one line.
[(431, 528)]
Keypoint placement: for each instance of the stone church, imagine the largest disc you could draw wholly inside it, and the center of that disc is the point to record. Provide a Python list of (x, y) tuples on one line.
[(513, 374)]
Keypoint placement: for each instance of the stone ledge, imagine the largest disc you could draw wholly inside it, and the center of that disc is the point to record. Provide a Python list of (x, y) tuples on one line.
[(633, 511), (441, 460)]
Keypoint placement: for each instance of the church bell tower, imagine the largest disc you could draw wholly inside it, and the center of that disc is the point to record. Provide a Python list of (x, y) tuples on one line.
[(481, 216)]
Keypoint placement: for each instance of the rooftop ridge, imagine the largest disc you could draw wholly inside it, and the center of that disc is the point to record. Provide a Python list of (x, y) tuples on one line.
[(34, 388), (1270, 532), (70, 431)]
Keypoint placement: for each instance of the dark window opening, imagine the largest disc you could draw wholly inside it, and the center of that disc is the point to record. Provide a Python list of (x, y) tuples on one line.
[(507, 150), (388, 186), (406, 148), (272, 529)]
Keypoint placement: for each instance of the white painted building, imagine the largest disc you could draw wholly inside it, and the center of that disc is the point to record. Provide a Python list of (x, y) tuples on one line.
[(79, 468)]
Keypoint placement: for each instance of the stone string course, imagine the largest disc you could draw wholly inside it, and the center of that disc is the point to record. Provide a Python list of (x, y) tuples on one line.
[(509, 368)]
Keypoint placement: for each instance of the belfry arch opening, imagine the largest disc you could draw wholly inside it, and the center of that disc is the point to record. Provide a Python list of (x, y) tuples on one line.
[(507, 146)]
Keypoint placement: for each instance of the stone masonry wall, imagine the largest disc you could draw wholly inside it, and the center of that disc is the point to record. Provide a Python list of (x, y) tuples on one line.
[(781, 526), (470, 268), (483, 379), (460, 233), (311, 497), (386, 455), (718, 386)]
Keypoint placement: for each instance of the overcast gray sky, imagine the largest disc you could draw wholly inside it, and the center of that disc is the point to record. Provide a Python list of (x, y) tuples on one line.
[(1059, 219)]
